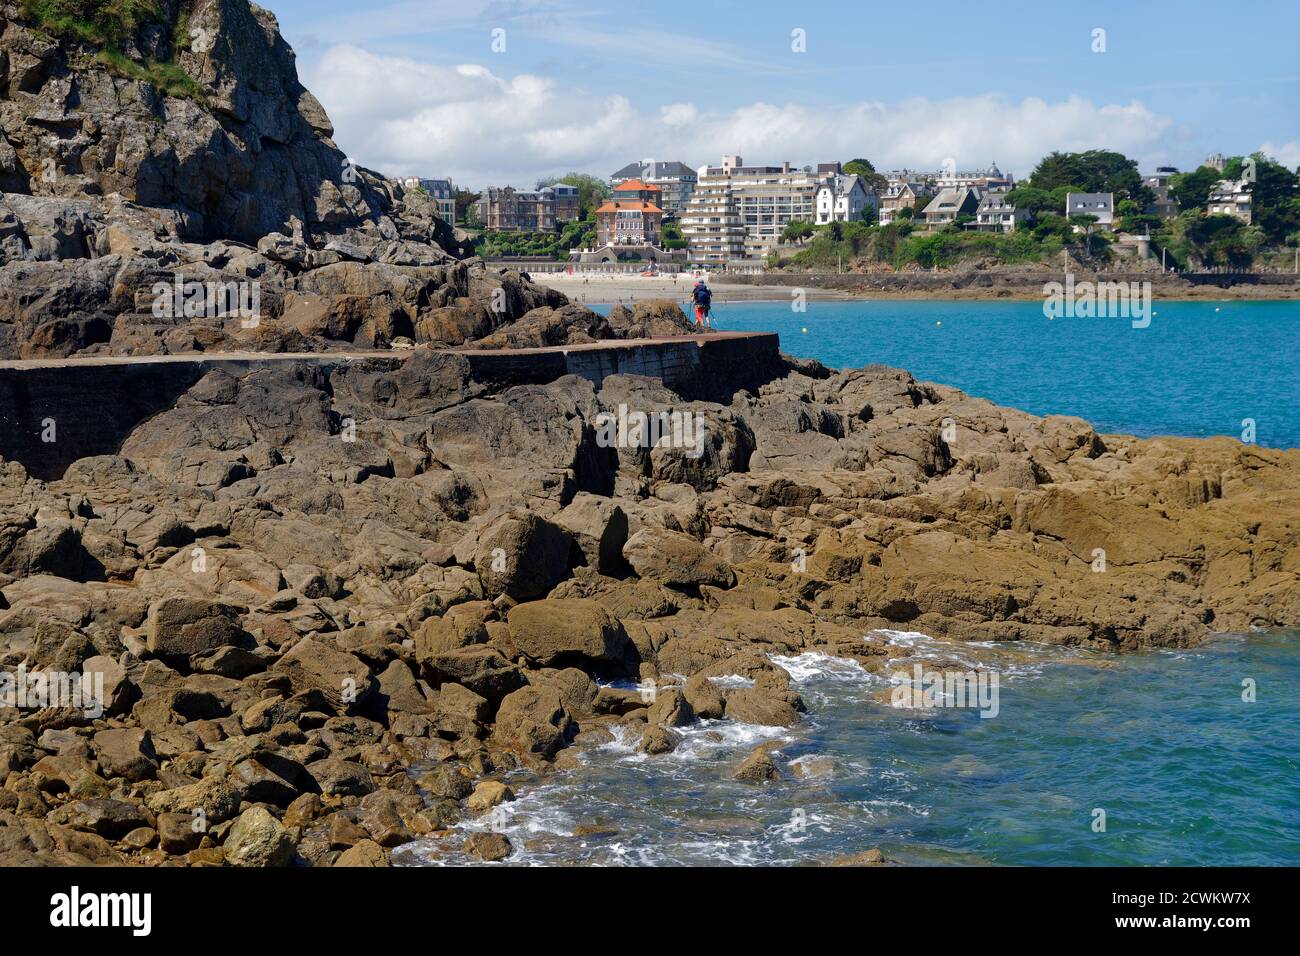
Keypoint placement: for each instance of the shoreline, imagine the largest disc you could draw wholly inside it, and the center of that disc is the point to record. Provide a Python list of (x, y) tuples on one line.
[(622, 288)]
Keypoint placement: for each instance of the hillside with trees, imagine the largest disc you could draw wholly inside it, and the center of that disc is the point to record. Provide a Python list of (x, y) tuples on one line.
[(1191, 240)]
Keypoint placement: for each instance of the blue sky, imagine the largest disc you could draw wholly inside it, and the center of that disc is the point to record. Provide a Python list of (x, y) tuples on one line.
[(416, 87)]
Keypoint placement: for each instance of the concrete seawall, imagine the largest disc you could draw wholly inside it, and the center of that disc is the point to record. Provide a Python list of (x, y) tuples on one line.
[(56, 411)]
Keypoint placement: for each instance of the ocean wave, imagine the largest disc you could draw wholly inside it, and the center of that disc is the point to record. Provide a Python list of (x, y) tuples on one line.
[(815, 666)]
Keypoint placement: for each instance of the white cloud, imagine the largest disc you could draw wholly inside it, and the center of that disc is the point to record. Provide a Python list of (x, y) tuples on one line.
[(1288, 154), (404, 117)]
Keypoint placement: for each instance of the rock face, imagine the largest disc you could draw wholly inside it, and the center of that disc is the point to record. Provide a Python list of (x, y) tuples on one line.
[(184, 194), (237, 149)]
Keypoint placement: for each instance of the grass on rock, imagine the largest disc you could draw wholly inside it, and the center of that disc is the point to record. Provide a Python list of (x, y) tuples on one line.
[(110, 25)]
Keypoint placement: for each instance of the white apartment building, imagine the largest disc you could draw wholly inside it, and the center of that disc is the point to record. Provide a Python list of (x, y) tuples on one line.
[(765, 198), (711, 225)]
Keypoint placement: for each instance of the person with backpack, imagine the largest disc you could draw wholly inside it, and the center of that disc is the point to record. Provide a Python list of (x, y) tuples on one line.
[(703, 298)]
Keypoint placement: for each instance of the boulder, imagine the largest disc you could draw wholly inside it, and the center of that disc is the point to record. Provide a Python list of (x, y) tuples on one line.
[(599, 528), (461, 712), (705, 698), (258, 839), (365, 853), (659, 740), (490, 847), (522, 555), (179, 628), (670, 709), (106, 817), (483, 670), (335, 777), (177, 833), (557, 633), (758, 767), (533, 720), (126, 753), (337, 676), (756, 705), (676, 560), (487, 795)]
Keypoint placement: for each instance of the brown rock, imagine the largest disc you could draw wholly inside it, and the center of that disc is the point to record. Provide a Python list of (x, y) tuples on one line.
[(365, 853), (487, 795), (758, 767), (491, 847), (556, 633), (533, 720)]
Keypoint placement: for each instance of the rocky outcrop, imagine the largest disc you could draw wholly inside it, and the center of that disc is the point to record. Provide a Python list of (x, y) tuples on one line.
[(172, 187), (293, 628)]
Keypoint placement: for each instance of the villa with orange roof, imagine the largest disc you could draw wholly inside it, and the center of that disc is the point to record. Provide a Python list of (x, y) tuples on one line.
[(633, 216)]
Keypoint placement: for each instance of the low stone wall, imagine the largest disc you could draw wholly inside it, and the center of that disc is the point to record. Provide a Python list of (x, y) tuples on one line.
[(693, 366), (55, 412)]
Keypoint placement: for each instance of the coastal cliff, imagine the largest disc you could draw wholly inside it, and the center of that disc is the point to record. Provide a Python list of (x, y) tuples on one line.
[(177, 149)]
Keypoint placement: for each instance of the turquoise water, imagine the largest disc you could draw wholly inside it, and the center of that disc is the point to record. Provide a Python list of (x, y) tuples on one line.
[(1186, 771), (1199, 369)]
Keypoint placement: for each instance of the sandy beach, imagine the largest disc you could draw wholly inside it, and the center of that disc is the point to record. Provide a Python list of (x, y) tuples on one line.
[(598, 289)]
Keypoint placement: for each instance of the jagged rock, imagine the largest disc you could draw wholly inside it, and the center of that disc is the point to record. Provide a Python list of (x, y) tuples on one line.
[(649, 318), (337, 676)]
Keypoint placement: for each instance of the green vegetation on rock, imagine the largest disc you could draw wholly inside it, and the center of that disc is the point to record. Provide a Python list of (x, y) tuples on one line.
[(111, 26)]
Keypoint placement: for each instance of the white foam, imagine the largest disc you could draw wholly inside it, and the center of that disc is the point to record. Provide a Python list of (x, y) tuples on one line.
[(814, 666), (732, 680)]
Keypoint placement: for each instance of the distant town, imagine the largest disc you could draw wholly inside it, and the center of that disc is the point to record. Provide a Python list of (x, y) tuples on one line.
[(736, 214)]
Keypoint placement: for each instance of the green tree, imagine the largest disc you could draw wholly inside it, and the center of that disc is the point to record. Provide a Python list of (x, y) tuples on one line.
[(797, 230), (1274, 195), (1092, 171), (1192, 190), (864, 168)]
